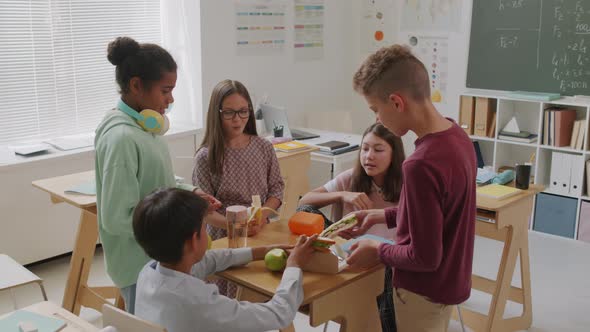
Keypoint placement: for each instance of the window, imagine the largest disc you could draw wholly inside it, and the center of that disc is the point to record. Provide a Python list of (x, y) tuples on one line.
[(55, 78)]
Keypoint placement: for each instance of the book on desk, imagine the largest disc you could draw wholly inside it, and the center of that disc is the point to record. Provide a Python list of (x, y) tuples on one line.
[(332, 145), (291, 146), (497, 191), (342, 150), (41, 322)]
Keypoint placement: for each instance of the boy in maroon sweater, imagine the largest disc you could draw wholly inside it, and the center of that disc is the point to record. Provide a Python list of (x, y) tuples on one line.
[(435, 218)]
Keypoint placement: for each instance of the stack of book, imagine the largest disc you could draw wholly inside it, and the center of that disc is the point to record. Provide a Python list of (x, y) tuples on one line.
[(558, 127), (336, 147), (291, 146), (522, 136)]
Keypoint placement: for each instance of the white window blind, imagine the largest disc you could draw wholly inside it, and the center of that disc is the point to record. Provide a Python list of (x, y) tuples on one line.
[(55, 78)]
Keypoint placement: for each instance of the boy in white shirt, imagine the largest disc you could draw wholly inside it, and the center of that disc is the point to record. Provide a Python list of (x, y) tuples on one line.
[(168, 224)]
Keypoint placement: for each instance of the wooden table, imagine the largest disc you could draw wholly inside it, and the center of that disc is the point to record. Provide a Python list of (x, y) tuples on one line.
[(511, 216), (294, 167), (49, 309), (347, 297), (77, 291)]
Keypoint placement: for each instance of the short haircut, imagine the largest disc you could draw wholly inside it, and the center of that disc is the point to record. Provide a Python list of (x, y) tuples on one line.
[(392, 69), (165, 219)]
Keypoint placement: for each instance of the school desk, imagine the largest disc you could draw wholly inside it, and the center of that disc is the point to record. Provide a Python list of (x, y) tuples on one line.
[(77, 291), (294, 170), (348, 298), (50, 309), (507, 222)]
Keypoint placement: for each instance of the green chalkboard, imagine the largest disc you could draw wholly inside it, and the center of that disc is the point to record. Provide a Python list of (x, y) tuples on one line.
[(530, 45)]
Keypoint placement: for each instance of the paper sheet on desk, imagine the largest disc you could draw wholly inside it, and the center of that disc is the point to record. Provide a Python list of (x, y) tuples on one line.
[(72, 142), (85, 188), (42, 322)]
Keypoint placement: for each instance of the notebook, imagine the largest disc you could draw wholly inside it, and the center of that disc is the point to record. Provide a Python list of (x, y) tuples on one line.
[(85, 188), (42, 323), (332, 145), (290, 146), (340, 150), (72, 142), (497, 191), (30, 150)]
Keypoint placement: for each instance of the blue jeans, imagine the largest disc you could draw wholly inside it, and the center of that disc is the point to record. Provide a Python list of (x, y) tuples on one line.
[(128, 294)]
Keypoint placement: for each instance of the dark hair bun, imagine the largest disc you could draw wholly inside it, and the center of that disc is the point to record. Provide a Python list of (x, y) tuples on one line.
[(121, 48)]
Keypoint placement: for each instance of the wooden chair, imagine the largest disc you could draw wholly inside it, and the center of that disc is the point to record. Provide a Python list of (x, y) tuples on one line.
[(123, 321), (15, 275)]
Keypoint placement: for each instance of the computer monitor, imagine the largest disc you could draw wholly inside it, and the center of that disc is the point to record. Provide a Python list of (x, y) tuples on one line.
[(277, 116)]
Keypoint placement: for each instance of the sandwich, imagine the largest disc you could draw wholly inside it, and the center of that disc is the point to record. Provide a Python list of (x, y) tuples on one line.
[(323, 244), (345, 223)]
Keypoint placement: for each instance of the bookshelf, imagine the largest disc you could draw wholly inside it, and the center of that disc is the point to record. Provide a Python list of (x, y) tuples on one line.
[(530, 116)]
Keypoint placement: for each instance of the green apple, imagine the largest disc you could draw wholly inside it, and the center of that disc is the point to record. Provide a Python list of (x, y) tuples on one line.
[(275, 259), (209, 241)]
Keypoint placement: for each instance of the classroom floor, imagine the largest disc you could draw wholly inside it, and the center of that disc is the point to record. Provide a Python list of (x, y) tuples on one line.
[(560, 271)]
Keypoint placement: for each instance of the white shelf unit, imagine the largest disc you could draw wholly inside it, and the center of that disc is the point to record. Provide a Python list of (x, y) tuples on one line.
[(530, 115)]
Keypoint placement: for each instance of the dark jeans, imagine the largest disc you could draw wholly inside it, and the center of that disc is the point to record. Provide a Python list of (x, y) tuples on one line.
[(385, 300)]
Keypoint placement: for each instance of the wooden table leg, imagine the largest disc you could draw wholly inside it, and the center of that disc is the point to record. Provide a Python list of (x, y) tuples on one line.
[(82, 255), (525, 280), (77, 293), (354, 305), (504, 279), (521, 295)]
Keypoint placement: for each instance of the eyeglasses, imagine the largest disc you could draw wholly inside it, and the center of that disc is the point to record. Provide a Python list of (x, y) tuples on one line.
[(230, 114)]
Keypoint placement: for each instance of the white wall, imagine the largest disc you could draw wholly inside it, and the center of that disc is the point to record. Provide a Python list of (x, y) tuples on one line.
[(458, 53), (324, 86), (303, 87)]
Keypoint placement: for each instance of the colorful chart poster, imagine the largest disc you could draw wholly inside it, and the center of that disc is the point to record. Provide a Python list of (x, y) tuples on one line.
[(434, 53), (377, 24), (260, 28), (308, 29)]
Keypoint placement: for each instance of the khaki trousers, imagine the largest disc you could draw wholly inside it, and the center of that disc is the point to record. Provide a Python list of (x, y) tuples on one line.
[(416, 313)]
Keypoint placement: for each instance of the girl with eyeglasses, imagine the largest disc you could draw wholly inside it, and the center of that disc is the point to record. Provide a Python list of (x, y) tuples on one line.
[(233, 163)]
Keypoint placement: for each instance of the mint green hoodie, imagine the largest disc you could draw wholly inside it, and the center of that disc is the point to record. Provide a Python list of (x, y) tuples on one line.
[(130, 163)]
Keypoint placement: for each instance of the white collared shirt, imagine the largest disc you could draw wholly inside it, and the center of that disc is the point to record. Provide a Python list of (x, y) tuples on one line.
[(182, 303)]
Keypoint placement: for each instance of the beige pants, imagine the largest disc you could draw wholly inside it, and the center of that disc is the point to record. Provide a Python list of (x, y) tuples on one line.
[(416, 313)]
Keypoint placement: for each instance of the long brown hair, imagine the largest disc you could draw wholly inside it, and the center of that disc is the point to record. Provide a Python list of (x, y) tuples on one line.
[(361, 182), (214, 139)]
